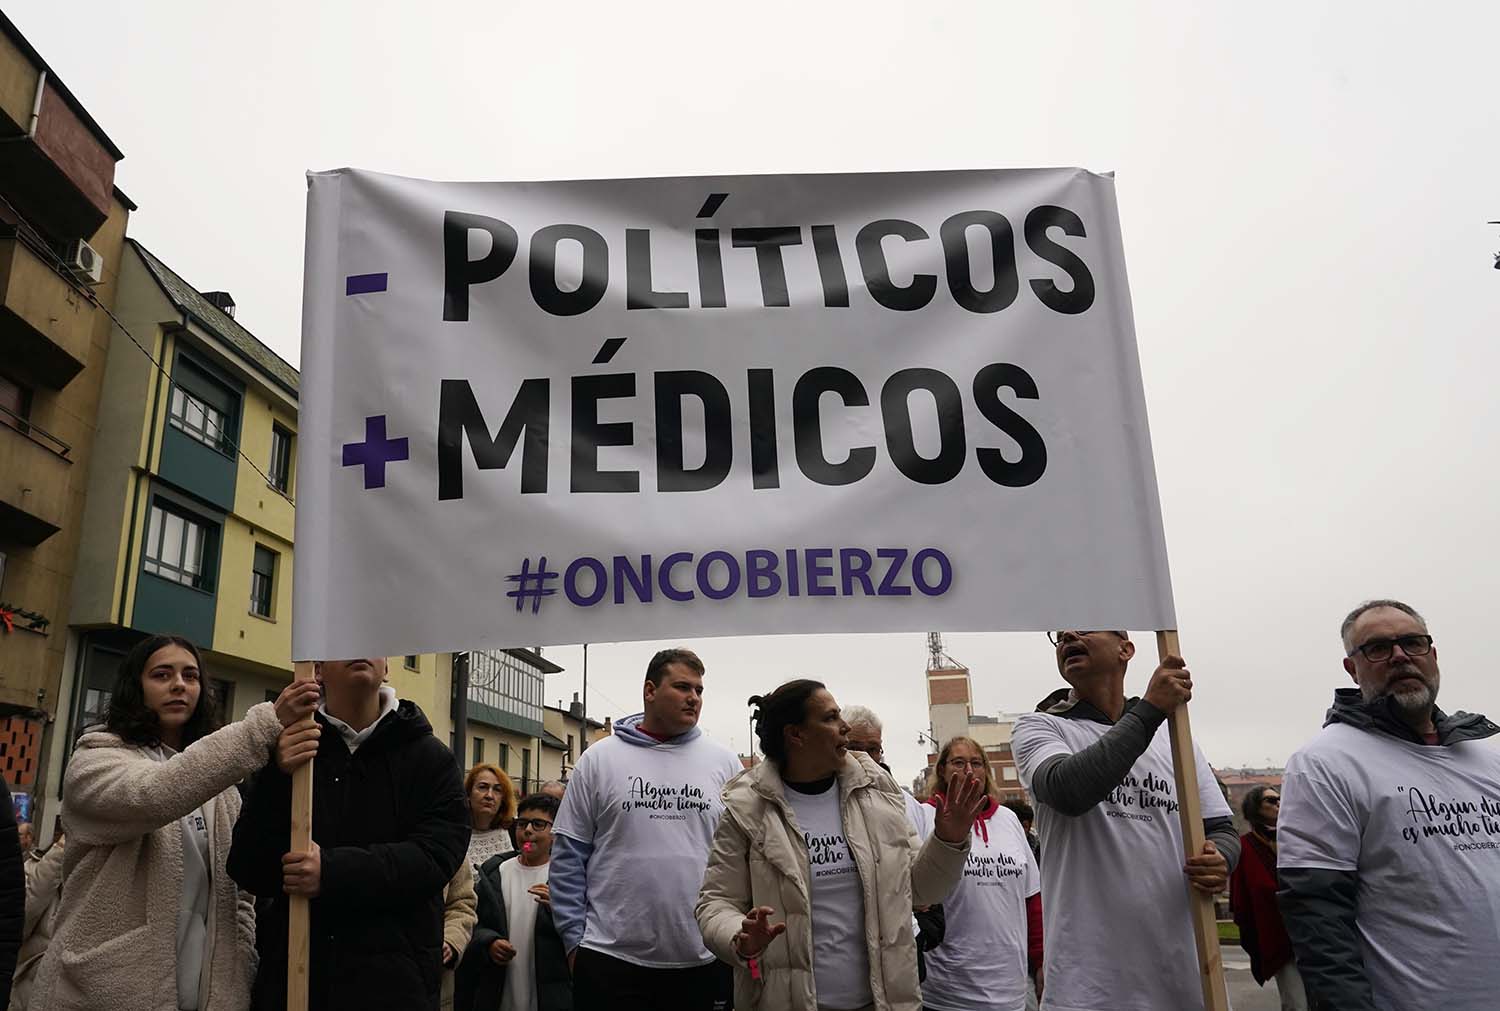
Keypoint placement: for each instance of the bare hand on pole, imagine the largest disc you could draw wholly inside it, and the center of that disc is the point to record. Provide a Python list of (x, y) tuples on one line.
[(1209, 871), (302, 873), (297, 702), (1171, 684)]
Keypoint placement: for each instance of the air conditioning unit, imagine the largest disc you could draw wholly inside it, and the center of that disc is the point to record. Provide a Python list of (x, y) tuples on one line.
[(85, 262)]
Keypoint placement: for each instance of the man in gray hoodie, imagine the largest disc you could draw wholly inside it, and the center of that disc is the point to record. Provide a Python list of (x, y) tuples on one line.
[(630, 846), (1388, 840)]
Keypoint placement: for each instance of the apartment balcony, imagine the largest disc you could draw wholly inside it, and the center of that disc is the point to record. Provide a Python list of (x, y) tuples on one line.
[(33, 481), (58, 166), (45, 323)]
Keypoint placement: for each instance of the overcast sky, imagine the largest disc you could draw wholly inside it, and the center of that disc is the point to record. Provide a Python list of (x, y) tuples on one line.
[(1304, 191)]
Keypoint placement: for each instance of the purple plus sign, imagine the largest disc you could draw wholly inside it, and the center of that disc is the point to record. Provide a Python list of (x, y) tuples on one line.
[(375, 452)]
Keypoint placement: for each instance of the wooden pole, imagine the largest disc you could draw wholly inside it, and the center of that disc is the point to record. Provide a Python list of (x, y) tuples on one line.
[(1190, 810), (299, 914)]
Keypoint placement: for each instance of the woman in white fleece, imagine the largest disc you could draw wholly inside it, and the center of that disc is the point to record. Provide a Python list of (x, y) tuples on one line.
[(149, 919)]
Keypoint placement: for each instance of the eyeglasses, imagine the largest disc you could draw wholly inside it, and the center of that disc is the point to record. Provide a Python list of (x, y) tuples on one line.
[(966, 763), (1377, 650), (1055, 638), (875, 751), (537, 823)]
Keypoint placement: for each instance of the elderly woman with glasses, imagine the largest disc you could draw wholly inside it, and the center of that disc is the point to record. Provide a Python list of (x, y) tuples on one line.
[(993, 940)]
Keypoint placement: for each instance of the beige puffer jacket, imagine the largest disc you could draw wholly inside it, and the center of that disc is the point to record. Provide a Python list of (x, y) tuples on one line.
[(114, 941), (759, 858)]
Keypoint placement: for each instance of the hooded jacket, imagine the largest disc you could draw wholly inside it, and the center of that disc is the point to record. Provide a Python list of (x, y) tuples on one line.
[(759, 858), (568, 878), (480, 982), (115, 934), (1320, 906), (392, 827)]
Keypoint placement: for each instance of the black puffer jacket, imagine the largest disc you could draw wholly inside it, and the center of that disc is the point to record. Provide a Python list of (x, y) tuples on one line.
[(479, 982), (392, 828)]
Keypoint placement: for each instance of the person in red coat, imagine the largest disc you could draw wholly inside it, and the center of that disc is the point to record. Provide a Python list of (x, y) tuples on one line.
[(1252, 897)]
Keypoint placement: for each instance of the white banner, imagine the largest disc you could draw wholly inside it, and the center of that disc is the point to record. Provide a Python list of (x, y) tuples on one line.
[(540, 413)]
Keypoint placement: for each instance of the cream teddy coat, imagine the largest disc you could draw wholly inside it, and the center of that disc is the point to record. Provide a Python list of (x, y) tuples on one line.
[(759, 858), (114, 941)]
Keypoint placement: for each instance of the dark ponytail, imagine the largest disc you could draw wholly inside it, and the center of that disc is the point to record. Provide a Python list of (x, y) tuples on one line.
[(785, 707)]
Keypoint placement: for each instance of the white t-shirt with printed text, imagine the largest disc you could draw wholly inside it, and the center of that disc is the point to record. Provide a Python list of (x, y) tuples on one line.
[(1118, 930), (650, 815), (981, 964), (1420, 824), (519, 993), (841, 960)]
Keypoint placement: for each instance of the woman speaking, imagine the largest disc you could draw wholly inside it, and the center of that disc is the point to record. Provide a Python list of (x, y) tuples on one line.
[(815, 868)]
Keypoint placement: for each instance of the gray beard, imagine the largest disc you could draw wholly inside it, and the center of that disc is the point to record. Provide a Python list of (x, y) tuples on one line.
[(1413, 702)]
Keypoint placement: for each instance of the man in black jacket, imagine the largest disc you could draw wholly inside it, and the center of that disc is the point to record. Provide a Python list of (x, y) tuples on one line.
[(389, 830), (1388, 849), (515, 945)]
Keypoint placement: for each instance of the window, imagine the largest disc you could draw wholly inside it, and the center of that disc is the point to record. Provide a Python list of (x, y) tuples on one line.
[(1010, 774), (478, 750), (525, 770), (498, 680), (95, 707), (411, 663), (570, 749), (179, 548), (199, 419), (223, 696), (15, 404), (262, 581), (505, 757), (281, 458)]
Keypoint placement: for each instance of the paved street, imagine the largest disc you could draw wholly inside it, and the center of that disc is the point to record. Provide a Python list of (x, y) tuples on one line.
[(1244, 994)]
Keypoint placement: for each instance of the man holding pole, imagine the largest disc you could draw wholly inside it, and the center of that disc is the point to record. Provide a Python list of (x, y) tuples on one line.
[(1118, 926), (630, 847), (1389, 849), (389, 830)]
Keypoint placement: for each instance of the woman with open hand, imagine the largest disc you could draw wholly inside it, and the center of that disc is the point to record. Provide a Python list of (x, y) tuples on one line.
[(815, 867)]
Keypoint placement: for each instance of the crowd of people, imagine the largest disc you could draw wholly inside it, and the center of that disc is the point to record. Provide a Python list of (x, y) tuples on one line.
[(665, 876)]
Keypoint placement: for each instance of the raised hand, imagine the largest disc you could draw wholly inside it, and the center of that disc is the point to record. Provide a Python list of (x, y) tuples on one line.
[(964, 801), (756, 932)]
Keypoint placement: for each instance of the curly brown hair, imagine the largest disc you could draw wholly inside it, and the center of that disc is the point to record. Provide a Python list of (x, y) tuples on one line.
[(133, 721)]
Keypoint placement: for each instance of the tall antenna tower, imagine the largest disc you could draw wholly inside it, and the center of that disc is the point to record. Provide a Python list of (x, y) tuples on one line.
[(937, 658)]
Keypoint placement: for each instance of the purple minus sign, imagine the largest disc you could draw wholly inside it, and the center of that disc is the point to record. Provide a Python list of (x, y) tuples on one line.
[(364, 284)]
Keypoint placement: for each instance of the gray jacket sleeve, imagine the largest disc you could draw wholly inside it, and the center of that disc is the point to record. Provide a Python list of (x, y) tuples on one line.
[(1318, 907), (1074, 783), (1220, 832)]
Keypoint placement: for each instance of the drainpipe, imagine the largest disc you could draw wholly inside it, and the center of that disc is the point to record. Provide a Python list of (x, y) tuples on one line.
[(135, 498), (460, 707), (36, 112)]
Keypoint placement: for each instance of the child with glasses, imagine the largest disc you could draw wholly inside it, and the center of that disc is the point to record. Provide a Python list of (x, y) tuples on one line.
[(516, 960)]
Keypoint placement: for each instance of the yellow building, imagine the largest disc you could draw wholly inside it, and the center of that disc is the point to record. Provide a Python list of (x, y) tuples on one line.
[(188, 525), (62, 222)]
